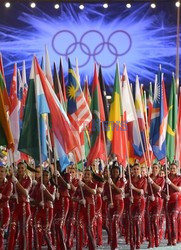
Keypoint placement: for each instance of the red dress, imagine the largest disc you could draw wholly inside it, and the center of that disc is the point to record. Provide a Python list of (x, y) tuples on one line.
[(154, 209), (22, 215), (86, 217), (173, 208), (137, 210), (6, 189), (43, 216)]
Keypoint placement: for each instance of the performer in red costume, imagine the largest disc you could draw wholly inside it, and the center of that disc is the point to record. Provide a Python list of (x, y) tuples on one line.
[(174, 203), (71, 217), (43, 215), (155, 203), (138, 186), (61, 208), (21, 213), (86, 210), (115, 209), (6, 189)]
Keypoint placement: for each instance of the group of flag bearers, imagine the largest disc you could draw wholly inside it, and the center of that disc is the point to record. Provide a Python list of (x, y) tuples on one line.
[(74, 211), (55, 207)]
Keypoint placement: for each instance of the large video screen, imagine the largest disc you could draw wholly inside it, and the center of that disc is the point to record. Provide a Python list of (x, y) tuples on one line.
[(140, 37)]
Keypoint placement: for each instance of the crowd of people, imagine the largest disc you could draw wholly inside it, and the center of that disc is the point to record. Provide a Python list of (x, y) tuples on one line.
[(70, 209)]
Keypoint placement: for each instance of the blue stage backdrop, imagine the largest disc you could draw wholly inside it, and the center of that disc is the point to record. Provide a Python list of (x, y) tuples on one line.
[(141, 37)]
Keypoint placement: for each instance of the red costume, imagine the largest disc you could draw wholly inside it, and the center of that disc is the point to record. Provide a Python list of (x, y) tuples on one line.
[(154, 208), (22, 215), (86, 216), (43, 215), (61, 208), (173, 209), (71, 217), (115, 212), (136, 211), (5, 191)]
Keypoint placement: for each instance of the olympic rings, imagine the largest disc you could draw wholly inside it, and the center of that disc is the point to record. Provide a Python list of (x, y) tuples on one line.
[(98, 48)]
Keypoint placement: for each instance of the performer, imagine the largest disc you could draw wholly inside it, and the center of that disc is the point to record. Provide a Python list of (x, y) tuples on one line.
[(61, 208), (174, 203), (137, 206), (71, 217), (105, 202), (115, 210), (6, 189), (86, 210), (21, 213), (43, 215), (154, 205)]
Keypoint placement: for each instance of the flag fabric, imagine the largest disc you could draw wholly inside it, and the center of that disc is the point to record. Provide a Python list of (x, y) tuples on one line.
[(77, 107), (97, 144), (48, 71), (60, 123), (29, 136), (116, 126), (4, 92), (172, 122), (150, 103), (62, 80), (87, 93), (23, 89), (103, 93), (6, 137), (14, 113), (159, 120), (178, 132)]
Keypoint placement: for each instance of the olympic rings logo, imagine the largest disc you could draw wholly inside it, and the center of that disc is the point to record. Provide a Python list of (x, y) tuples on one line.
[(98, 49)]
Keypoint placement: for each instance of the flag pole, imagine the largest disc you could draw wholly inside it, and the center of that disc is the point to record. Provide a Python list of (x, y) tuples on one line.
[(178, 46), (105, 148), (39, 139)]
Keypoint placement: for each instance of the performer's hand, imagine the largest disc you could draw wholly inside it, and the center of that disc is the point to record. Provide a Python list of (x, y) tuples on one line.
[(57, 173), (111, 205), (168, 181), (42, 187), (41, 204), (104, 198), (131, 186), (152, 198), (131, 199), (150, 181), (83, 202), (110, 181), (57, 195), (14, 179), (68, 186), (81, 183), (34, 182), (124, 179), (167, 197), (1, 196)]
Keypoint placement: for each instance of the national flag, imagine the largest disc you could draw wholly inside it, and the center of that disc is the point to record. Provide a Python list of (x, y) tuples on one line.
[(77, 107), (14, 113), (159, 120), (116, 127), (3, 85), (6, 137), (23, 86), (87, 93), (48, 71), (150, 103), (62, 81), (60, 123), (97, 149), (178, 132), (103, 93), (172, 122)]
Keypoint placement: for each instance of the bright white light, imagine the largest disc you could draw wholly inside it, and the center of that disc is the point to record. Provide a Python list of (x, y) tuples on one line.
[(56, 6), (153, 5), (7, 5), (177, 4), (81, 6), (105, 5), (33, 5), (128, 5)]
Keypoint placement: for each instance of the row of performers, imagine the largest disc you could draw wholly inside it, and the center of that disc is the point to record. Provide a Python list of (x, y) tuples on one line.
[(57, 209)]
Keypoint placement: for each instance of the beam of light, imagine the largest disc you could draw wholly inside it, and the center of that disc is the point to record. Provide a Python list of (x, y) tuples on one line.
[(153, 39)]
